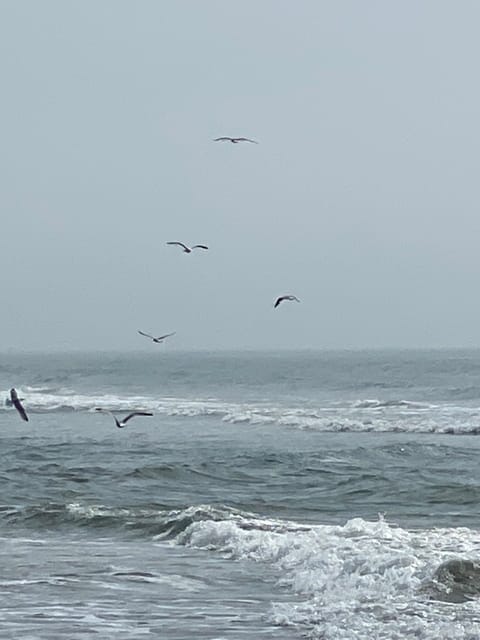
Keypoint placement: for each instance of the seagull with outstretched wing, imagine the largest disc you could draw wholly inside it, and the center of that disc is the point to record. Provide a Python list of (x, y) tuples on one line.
[(156, 339), (189, 249), (18, 405), (282, 298), (234, 140), (122, 423)]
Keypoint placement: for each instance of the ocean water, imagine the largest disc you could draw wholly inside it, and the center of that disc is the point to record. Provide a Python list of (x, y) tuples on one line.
[(332, 496)]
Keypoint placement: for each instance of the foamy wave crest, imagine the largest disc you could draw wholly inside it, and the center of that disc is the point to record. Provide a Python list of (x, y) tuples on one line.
[(385, 404), (154, 522), (41, 400), (359, 581), (360, 416)]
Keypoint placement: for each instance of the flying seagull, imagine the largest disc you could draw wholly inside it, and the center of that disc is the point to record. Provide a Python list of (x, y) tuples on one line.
[(156, 339), (282, 298), (18, 405), (189, 249), (123, 422), (234, 140)]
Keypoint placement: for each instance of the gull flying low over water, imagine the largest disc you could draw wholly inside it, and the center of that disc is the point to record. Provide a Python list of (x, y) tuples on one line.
[(233, 140), (18, 405), (122, 423), (189, 249), (282, 298), (157, 339)]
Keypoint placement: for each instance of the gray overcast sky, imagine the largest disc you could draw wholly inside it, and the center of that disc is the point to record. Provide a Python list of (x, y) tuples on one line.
[(362, 197)]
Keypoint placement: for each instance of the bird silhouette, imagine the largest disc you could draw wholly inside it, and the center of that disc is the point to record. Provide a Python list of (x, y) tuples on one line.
[(18, 405), (233, 140), (122, 423), (157, 339), (282, 298), (189, 249)]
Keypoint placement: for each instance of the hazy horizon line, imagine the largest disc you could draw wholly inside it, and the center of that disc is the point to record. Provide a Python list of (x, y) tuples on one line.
[(163, 351)]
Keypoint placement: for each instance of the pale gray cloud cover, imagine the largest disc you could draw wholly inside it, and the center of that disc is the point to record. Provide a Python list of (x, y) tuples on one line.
[(362, 197)]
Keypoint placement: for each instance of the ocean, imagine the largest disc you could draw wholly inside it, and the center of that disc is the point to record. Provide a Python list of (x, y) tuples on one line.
[(324, 495)]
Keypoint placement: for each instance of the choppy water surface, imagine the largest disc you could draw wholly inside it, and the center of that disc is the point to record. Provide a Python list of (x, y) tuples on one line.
[(320, 495)]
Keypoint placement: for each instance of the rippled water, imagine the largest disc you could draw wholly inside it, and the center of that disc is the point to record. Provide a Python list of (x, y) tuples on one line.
[(322, 495)]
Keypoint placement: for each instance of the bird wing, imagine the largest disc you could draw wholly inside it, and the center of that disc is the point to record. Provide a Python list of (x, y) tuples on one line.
[(199, 246), (180, 244), (21, 410), (222, 139), (167, 335), (18, 405), (136, 413), (147, 335), (246, 140), (278, 301)]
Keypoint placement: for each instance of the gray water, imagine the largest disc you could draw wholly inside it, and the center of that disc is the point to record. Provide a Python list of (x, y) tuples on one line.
[(321, 495)]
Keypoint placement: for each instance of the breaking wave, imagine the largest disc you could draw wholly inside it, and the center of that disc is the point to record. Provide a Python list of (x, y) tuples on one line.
[(383, 404), (154, 521), (359, 580), (395, 415)]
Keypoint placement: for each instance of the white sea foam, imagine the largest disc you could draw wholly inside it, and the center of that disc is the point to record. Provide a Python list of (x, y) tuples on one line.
[(360, 581), (361, 415), (383, 404), (81, 512)]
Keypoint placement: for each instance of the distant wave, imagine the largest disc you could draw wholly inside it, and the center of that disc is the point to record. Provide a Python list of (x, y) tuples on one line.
[(143, 521), (364, 415), (381, 404)]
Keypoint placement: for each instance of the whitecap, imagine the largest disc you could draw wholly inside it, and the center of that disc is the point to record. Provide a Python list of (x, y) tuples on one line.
[(361, 580), (359, 416)]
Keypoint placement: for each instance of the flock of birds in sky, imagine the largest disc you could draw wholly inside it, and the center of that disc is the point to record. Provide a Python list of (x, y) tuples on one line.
[(16, 402), (187, 249)]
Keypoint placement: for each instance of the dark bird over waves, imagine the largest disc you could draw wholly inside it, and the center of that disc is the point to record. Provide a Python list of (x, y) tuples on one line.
[(234, 140), (18, 405), (282, 298), (122, 423), (157, 339), (189, 249)]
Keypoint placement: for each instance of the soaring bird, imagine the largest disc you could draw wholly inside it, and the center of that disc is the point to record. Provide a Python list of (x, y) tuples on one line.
[(122, 423), (189, 249), (282, 298), (156, 339), (18, 405), (234, 140)]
